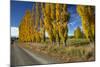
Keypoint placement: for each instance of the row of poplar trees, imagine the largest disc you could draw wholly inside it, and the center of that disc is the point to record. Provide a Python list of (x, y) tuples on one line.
[(53, 19), (45, 17)]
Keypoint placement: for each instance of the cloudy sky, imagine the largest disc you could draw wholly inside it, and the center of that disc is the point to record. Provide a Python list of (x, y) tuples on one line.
[(18, 9)]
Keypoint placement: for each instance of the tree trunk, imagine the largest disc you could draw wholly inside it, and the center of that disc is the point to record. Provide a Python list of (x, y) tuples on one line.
[(64, 43), (58, 43), (44, 35)]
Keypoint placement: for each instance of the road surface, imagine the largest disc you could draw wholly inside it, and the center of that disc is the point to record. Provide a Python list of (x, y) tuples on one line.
[(23, 57)]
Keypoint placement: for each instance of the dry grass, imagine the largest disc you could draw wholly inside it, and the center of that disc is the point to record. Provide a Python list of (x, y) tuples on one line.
[(65, 54), (74, 52)]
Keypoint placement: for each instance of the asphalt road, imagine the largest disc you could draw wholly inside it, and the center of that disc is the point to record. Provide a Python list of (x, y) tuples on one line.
[(20, 58), (23, 57)]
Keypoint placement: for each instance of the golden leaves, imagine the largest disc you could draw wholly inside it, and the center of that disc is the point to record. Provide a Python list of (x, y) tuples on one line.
[(87, 14)]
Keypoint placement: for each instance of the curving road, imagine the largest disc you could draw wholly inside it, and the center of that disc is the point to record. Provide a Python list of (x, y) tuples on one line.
[(23, 57)]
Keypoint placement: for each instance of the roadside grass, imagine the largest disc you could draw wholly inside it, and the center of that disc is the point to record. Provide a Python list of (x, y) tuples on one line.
[(77, 42), (81, 53), (27, 46), (73, 51), (76, 50)]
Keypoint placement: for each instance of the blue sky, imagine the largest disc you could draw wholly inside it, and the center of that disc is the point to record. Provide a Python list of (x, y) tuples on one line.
[(18, 9), (75, 19)]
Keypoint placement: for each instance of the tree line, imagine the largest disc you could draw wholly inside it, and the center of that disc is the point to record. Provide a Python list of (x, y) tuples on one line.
[(53, 19)]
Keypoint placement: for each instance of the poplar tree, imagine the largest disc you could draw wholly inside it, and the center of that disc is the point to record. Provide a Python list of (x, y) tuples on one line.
[(63, 24), (87, 14), (26, 28), (53, 21), (34, 22), (77, 33), (47, 22), (58, 15), (42, 22), (37, 16)]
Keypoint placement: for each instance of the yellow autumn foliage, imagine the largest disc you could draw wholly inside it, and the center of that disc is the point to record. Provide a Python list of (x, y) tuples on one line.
[(87, 14), (77, 33)]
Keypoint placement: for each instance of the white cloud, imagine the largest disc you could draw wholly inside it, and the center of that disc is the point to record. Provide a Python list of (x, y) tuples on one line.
[(14, 32)]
